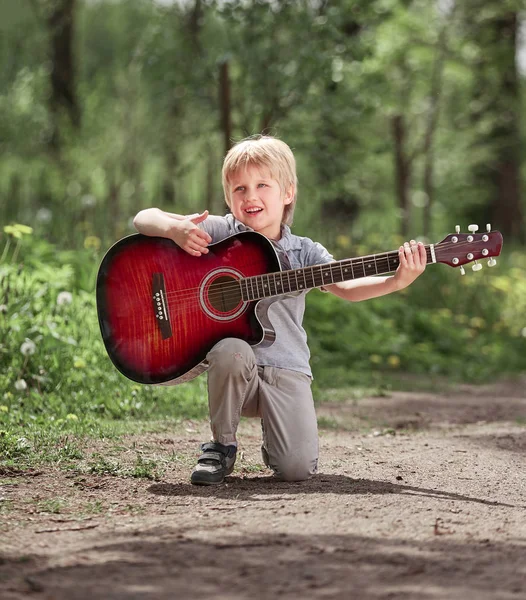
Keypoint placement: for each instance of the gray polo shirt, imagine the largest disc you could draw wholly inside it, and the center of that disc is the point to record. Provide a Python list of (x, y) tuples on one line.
[(289, 350)]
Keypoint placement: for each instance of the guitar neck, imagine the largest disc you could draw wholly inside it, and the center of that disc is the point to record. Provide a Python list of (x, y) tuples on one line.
[(307, 278)]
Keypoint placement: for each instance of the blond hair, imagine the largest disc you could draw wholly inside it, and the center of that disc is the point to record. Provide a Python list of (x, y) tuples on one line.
[(263, 151)]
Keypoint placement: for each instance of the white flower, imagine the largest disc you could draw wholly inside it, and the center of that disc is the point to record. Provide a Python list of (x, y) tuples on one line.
[(44, 215), (3, 308), (64, 298), (88, 201), (28, 348), (20, 385)]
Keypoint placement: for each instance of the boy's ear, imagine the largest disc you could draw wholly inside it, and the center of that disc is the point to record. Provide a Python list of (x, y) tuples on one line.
[(289, 194)]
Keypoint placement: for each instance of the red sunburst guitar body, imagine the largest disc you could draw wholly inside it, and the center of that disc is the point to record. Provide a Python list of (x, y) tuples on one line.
[(133, 318)]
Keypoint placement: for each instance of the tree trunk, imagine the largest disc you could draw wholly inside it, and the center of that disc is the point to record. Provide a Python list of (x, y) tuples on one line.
[(506, 209), (225, 106), (497, 107), (60, 24), (402, 172)]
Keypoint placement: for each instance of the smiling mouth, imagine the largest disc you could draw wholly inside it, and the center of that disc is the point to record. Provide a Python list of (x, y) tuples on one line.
[(253, 211)]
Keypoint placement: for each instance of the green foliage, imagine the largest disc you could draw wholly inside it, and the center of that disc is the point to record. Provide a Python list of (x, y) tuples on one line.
[(468, 328), (55, 374)]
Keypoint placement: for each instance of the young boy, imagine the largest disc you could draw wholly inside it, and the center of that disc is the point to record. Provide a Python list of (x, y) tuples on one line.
[(272, 383)]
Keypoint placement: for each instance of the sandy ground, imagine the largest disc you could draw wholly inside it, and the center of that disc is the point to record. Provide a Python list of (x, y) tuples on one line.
[(420, 495)]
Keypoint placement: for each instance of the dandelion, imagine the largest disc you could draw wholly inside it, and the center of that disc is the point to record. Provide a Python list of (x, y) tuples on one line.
[(20, 385), (71, 417), (28, 348), (4, 408), (44, 215), (64, 298), (88, 201), (375, 359)]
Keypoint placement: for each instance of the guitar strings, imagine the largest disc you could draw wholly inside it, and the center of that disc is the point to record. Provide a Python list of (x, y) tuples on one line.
[(351, 262), (234, 285)]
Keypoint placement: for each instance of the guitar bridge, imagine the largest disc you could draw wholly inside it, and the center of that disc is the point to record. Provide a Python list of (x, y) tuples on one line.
[(160, 306)]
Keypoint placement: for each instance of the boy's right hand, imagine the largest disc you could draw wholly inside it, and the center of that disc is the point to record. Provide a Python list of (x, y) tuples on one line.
[(189, 237)]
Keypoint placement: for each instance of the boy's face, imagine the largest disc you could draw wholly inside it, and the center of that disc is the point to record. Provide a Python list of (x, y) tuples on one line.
[(257, 200)]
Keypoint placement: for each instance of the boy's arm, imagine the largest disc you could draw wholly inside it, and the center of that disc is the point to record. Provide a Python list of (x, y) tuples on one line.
[(182, 229), (412, 264)]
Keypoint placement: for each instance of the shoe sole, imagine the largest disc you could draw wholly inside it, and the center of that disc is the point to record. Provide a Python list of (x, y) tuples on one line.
[(195, 479)]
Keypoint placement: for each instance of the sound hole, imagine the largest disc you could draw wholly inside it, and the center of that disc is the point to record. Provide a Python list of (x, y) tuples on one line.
[(224, 294)]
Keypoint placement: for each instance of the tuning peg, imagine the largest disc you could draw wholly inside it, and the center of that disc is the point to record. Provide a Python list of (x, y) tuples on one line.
[(457, 228), (492, 262), (477, 266), (462, 271), (473, 228), (488, 227)]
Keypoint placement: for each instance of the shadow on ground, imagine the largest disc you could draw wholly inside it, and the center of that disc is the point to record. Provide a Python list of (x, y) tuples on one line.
[(256, 488), (163, 563)]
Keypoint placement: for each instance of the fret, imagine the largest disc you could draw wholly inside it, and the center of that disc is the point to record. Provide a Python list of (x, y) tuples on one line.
[(279, 283), (348, 271), (341, 270), (286, 286), (368, 266), (326, 273), (317, 275), (358, 270), (296, 281), (304, 279), (261, 287), (393, 261), (308, 274), (272, 284), (244, 292), (265, 284), (375, 265), (254, 287)]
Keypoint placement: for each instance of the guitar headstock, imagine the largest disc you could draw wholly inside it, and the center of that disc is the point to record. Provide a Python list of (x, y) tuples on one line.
[(458, 249)]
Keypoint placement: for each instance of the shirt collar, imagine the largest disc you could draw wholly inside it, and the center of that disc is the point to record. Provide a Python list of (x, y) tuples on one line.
[(288, 240)]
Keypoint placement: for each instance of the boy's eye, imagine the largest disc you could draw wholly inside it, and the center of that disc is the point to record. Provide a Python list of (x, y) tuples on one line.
[(239, 188), (262, 184)]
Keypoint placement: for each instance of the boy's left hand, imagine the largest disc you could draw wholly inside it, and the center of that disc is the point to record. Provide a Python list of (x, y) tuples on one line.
[(412, 263)]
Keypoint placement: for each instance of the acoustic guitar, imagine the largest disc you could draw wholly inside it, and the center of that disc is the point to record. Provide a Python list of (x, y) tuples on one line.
[(161, 310)]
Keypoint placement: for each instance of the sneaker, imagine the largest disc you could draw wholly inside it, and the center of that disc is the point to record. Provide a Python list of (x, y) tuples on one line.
[(216, 462)]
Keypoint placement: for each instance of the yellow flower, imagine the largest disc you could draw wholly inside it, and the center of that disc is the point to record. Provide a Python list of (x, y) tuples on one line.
[(17, 230), (393, 361), (343, 241), (92, 242), (72, 417), (375, 359), (79, 363), (3, 408)]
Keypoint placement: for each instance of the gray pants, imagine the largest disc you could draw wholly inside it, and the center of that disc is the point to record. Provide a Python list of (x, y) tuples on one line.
[(281, 398)]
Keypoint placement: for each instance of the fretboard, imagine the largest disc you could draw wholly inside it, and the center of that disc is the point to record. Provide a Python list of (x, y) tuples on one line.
[(307, 278)]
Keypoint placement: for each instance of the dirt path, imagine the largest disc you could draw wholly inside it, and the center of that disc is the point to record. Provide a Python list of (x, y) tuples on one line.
[(419, 496)]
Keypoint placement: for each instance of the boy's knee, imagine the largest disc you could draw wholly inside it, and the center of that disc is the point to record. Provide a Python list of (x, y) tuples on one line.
[(298, 470), (230, 354)]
